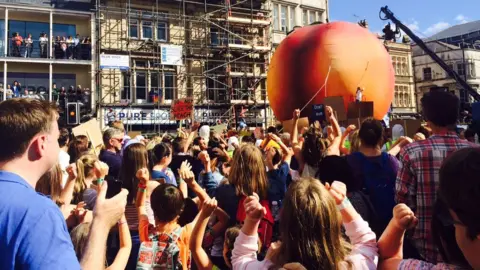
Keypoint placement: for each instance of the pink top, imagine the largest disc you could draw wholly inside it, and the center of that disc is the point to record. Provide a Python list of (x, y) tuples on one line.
[(364, 254)]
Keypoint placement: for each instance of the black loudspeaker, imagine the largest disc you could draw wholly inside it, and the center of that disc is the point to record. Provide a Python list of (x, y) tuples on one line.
[(360, 109)]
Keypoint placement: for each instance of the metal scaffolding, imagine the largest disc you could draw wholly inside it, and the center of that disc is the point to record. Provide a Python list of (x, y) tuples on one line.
[(226, 48)]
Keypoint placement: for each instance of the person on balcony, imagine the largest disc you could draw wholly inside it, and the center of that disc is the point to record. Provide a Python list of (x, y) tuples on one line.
[(43, 42), (17, 43), (69, 42), (76, 47), (28, 46), (58, 48), (16, 89), (63, 47)]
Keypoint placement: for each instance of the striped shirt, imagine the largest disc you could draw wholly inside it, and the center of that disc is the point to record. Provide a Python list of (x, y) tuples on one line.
[(417, 184), (422, 265)]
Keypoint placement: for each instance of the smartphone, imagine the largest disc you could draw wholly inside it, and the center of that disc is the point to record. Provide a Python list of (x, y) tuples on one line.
[(114, 187)]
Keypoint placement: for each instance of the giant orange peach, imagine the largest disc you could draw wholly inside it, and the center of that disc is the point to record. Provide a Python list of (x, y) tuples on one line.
[(355, 56)]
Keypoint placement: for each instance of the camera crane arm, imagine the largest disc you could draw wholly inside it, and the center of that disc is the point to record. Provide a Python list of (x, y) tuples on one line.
[(388, 15)]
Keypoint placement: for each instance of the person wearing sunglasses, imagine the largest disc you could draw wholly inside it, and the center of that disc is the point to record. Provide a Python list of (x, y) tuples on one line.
[(113, 141)]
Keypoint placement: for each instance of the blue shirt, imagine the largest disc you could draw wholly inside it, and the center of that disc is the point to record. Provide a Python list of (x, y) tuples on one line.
[(33, 233), (114, 162), (159, 174), (277, 180)]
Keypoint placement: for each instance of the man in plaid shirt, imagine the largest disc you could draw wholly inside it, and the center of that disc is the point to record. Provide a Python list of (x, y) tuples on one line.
[(418, 174)]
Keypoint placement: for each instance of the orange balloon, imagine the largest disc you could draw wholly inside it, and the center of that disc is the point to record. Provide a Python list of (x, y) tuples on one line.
[(354, 56)]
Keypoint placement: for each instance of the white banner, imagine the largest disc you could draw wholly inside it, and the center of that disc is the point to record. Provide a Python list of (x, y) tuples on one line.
[(139, 116), (171, 55), (114, 61)]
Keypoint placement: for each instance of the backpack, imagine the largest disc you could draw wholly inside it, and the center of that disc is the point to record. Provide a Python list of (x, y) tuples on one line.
[(161, 252), (265, 228), (379, 184)]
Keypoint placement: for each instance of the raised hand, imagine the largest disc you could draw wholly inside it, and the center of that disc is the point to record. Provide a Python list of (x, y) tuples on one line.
[(204, 157), (72, 171), (208, 207), (338, 190), (109, 211), (143, 176), (185, 172), (101, 169), (274, 137), (80, 212), (296, 114), (404, 217), (350, 129), (253, 209), (328, 111), (195, 126)]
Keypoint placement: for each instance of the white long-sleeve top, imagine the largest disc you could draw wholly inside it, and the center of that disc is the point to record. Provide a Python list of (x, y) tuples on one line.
[(364, 254)]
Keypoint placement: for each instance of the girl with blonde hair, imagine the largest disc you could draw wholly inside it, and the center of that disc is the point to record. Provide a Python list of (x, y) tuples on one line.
[(90, 170), (247, 176), (311, 231)]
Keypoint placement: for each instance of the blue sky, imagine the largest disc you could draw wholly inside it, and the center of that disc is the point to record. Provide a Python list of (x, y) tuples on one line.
[(424, 17)]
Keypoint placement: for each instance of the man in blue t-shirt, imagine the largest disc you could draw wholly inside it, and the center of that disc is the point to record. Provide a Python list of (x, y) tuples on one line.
[(33, 233), (113, 141)]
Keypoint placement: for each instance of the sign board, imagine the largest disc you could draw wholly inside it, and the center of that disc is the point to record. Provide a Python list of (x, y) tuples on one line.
[(91, 129), (181, 109), (362, 109), (288, 125), (171, 55), (147, 116), (114, 61), (318, 113), (338, 106), (410, 126), (219, 128)]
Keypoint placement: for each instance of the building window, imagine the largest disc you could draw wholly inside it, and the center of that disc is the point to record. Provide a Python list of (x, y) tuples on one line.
[(147, 30), (162, 31), (305, 17), (427, 74), (125, 93), (141, 86), (311, 17), (134, 28), (461, 69), (291, 17), (154, 95), (283, 19), (276, 23), (169, 92)]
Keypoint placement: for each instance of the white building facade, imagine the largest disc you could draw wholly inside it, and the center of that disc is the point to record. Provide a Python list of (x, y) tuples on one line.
[(296, 13), (428, 74)]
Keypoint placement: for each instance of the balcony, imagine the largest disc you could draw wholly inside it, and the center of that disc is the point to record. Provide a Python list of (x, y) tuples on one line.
[(37, 51), (45, 36)]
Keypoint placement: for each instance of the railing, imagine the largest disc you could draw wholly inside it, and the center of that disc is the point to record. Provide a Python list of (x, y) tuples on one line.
[(36, 49), (223, 39)]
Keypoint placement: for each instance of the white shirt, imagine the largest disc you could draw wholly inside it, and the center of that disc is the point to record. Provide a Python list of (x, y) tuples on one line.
[(359, 95), (64, 161)]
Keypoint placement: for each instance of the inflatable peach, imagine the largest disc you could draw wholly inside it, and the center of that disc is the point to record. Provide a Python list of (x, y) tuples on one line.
[(355, 57)]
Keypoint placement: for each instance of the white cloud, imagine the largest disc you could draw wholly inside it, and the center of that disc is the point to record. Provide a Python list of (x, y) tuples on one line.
[(414, 25), (436, 28), (462, 19)]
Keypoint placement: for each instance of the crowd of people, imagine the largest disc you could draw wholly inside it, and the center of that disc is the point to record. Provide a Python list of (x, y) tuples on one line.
[(71, 47), (318, 198), (60, 96)]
